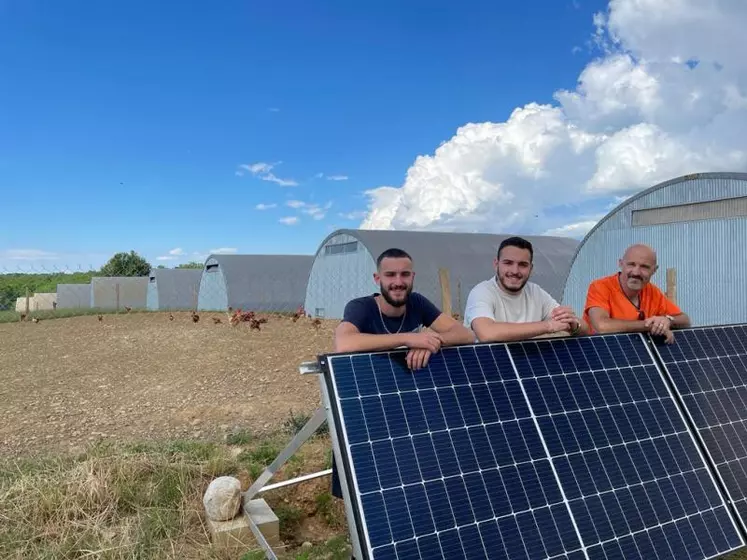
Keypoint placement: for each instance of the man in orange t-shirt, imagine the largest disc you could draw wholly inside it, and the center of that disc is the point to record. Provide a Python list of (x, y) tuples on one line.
[(628, 302)]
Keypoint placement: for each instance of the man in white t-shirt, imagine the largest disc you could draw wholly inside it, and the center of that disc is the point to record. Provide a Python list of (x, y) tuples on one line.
[(509, 307)]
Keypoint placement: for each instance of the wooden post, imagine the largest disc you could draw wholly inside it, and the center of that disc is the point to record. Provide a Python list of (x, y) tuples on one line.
[(116, 290), (672, 284), (27, 302), (443, 277), (459, 296)]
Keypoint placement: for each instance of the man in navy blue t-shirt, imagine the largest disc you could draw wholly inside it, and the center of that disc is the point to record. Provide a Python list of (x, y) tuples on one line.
[(396, 318)]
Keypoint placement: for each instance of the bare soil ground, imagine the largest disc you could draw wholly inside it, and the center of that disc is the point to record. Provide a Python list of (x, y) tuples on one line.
[(67, 382)]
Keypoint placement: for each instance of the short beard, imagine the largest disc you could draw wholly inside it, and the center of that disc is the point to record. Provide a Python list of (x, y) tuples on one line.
[(390, 301), (512, 290)]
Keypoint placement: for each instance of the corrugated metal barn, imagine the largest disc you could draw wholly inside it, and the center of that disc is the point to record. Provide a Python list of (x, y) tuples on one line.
[(173, 289), (118, 292), (73, 296), (346, 261), (697, 224), (274, 283)]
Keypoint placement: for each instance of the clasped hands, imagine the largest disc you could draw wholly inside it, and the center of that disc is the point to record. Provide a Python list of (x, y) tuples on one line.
[(562, 319)]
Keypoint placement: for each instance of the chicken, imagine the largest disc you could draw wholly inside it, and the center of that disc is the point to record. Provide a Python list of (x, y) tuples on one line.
[(195, 317), (254, 324), (171, 316), (235, 319), (35, 320), (128, 309), (101, 317), (316, 323), (298, 314), (23, 317), (216, 320)]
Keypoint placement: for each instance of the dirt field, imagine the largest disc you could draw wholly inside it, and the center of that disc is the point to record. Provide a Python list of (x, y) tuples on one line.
[(67, 382)]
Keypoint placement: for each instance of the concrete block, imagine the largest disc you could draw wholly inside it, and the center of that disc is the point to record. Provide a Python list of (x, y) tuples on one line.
[(233, 536), (236, 537), (264, 518)]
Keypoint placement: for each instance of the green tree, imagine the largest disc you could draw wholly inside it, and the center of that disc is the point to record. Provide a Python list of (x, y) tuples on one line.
[(192, 264), (126, 264)]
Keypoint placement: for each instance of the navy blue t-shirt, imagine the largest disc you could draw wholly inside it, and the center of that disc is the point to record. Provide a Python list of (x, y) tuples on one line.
[(363, 312)]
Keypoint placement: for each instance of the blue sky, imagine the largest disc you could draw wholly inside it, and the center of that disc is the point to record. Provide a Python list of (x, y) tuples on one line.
[(125, 125)]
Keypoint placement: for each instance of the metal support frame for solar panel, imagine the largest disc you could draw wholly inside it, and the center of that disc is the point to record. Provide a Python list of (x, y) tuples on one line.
[(723, 535), (260, 485), (684, 339)]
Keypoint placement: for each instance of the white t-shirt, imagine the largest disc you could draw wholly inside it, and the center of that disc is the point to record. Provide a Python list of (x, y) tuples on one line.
[(487, 299)]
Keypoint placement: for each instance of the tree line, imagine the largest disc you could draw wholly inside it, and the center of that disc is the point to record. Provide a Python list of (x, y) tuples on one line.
[(13, 286)]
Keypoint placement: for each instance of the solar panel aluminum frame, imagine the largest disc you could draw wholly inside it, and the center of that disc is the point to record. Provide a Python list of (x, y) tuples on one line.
[(713, 467), (344, 466), (358, 535)]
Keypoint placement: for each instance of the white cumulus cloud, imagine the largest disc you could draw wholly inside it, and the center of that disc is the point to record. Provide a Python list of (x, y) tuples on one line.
[(224, 250), (668, 97), (263, 206), (289, 220)]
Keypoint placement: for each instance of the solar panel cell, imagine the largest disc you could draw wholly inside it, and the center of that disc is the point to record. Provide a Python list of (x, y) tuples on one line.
[(544, 449)]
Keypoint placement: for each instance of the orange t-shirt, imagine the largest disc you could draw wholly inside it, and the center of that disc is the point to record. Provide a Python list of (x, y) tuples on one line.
[(606, 293)]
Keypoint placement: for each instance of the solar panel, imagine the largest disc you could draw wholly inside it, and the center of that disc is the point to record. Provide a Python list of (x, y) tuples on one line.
[(632, 473), (543, 449), (708, 367)]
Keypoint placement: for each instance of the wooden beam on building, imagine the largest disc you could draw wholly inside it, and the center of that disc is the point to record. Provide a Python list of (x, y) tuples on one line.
[(672, 284), (443, 278)]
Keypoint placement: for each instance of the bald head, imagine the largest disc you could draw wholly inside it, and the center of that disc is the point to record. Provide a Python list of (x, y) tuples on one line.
[(640, 251), (637, 266)]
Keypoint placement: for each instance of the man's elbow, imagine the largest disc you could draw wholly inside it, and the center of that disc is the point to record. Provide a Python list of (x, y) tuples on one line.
[(601, 326), (463, 335), (342, 343), (483, 333)]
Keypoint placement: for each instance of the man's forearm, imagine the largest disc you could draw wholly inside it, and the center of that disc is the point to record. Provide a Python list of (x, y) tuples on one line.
[(506, 332), (457, 335), (362, 342), (619, 325)]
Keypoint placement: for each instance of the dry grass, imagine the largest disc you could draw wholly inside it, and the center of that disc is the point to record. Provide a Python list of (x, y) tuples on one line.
[(145, 501)]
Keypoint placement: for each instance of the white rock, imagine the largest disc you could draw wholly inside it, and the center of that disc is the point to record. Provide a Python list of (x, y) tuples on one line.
[(222, 498)]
